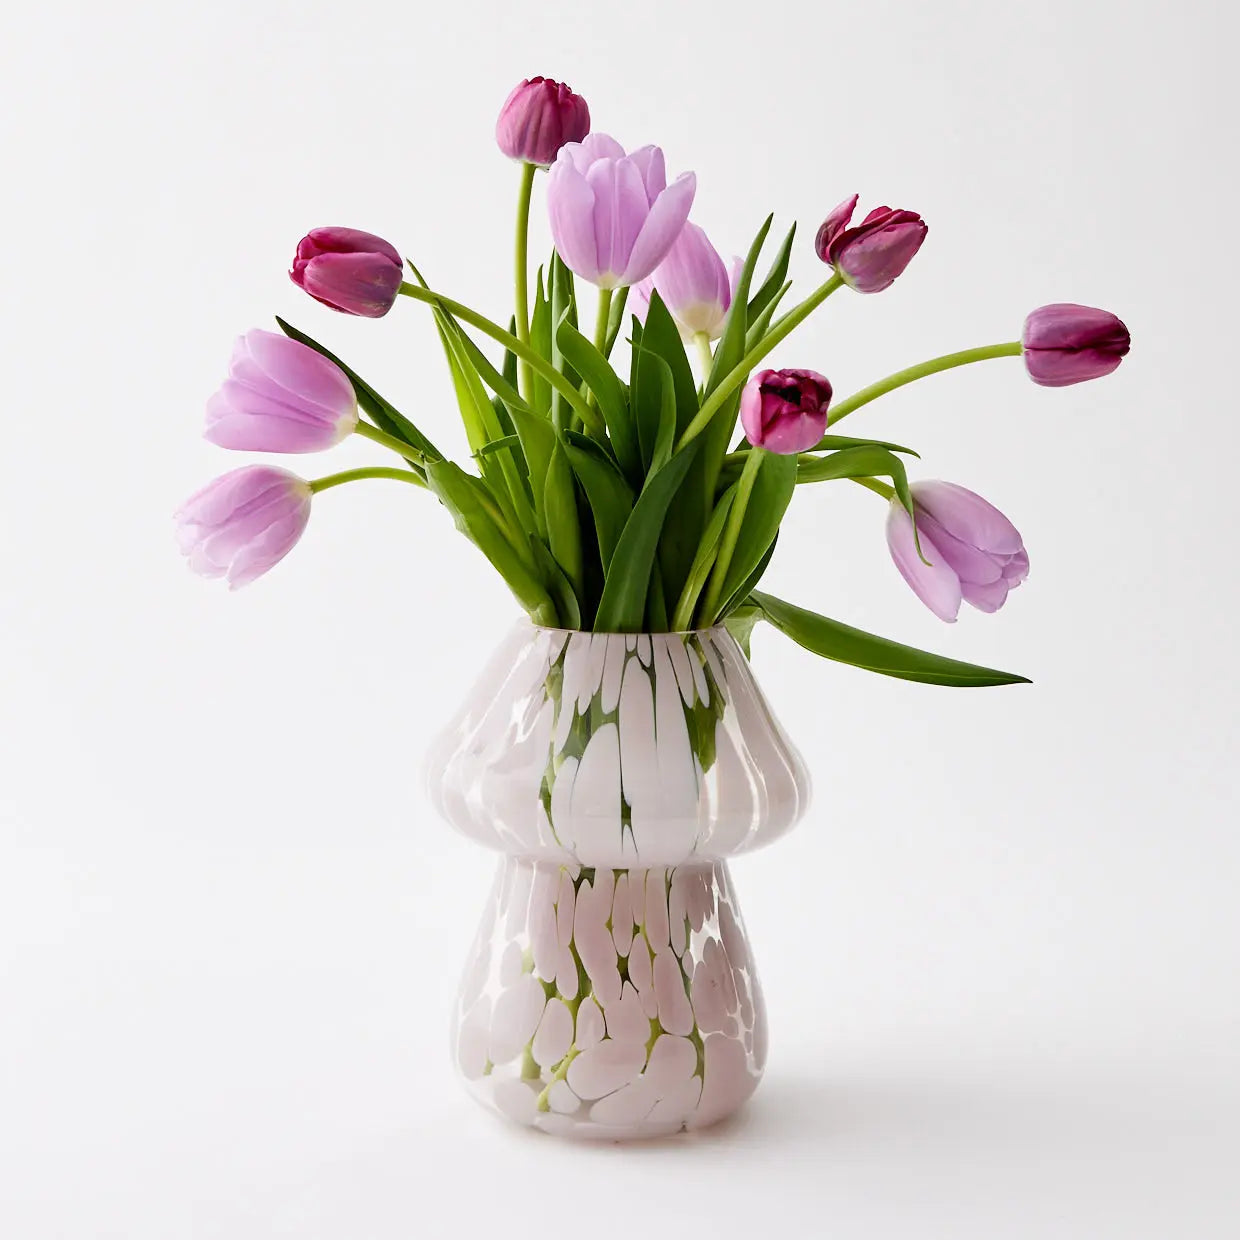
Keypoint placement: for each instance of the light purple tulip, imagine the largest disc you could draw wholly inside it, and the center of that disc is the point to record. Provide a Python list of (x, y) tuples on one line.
[(280, 396), (785, 411), (975, 552), (538, 118), (613, 216), (349, 270), (243, 523), (871, 255), (693, 283), (1065, 344)]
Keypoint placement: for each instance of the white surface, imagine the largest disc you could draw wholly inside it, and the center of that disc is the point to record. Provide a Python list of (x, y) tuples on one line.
[(230, 928)]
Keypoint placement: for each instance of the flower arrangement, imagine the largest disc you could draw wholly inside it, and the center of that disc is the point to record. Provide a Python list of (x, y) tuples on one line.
[(619, 497)]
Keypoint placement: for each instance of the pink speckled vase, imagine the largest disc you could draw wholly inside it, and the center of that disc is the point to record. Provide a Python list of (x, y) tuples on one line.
[(611, 992)]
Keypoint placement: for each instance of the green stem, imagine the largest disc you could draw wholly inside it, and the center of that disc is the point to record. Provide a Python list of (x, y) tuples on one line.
[(879, 488), (602, 319), (731, 532), (523, 352), (901, 377), (740, 372), (375, 435), (707, 358), (368, 471), (526, 373)]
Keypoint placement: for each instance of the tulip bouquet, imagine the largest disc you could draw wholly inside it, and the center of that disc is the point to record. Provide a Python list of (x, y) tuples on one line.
[(618, 496)]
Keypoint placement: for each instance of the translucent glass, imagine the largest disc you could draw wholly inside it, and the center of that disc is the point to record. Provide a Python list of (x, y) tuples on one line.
[(611, 991)]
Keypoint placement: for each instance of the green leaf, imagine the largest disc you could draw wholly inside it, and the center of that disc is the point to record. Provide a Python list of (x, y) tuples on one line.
[(731, 348), (608, 391), (661, 337), (829, 443), (703, 561), (759, 323), (741, 625), (624, 594), (560, 511), (480, 519), (772, 492), (559, 585), (384, 415), (608, 492), (537, 444), (743, 591), (497, 445), (844, 644), (563, 299), (775, 279), (540, 341)]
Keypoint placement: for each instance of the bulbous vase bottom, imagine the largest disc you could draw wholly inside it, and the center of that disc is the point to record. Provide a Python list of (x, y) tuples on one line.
[(611, 1004)]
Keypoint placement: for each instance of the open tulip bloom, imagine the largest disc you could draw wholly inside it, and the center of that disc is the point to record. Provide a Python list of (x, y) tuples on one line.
[(614, 484)]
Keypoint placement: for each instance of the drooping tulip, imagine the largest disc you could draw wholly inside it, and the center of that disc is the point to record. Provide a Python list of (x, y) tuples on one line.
[(975, 553), (243, 523), (538, 118), (694, 284), (349, 270), (869, 256), (785, 411), (613, 216), (280, 396), (1065, 343)]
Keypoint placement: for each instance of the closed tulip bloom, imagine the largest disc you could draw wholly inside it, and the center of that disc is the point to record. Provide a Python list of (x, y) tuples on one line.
[(613, 216), (538, 118), (975, 553), (870, 256), (352, 271), (243, 523), (280, 396), (1066, 344), (693, 283), (785, 411)]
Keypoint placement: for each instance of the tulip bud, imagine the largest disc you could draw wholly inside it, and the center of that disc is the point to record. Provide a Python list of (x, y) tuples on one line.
[(785, 411), (613, 216), (243, 523), (1066, 344), (693, 283), (538, 118), (870, 256), (975, 553), (351, 271), (280, 396)]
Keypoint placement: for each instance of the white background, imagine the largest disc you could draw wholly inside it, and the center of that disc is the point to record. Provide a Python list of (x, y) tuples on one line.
[(1000, 955)]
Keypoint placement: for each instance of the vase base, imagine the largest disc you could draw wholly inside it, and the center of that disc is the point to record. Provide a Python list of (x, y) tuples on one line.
[(611, 1005)]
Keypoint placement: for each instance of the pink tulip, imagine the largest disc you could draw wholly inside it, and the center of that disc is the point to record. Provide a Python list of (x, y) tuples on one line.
[(870, 256), (280, 396), (785, 411), (351, 271), (975, 553), (538, 118), (243, 523), (693, 283), (1064, 344), (613, 216)]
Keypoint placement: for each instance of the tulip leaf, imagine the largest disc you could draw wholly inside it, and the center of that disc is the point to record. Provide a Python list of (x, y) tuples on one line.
[(623, 604), (759, 323), (560, 513), (773, 286), (603, 382), (480, 519), (498, 445), (844, 644), (741, 623), (731, 348), (558, 584), (830, 443), (562, 294), (657, 424), (540, 342), (609, 494), (660, 337), (537, 444), (703, 561), (743, 591), (384, 415), (773, 487)]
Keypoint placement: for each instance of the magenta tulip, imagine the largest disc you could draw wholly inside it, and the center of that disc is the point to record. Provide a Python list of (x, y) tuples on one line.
[(280, 396), (613, 216), (538, 118), (693, 283), (870, 256), (1065, 344), (975, 553), (243, 523), (785, 411), (351, 271)]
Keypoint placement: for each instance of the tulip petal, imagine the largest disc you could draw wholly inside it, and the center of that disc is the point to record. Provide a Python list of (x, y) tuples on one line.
[(570, 204), (969, 563), (593, 147), (661, 228), (935, 584), (620, 210), (360, 284), (653, 167), (300, 370), (968, 516), (989, 597), (872, 261), (833, 226)]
